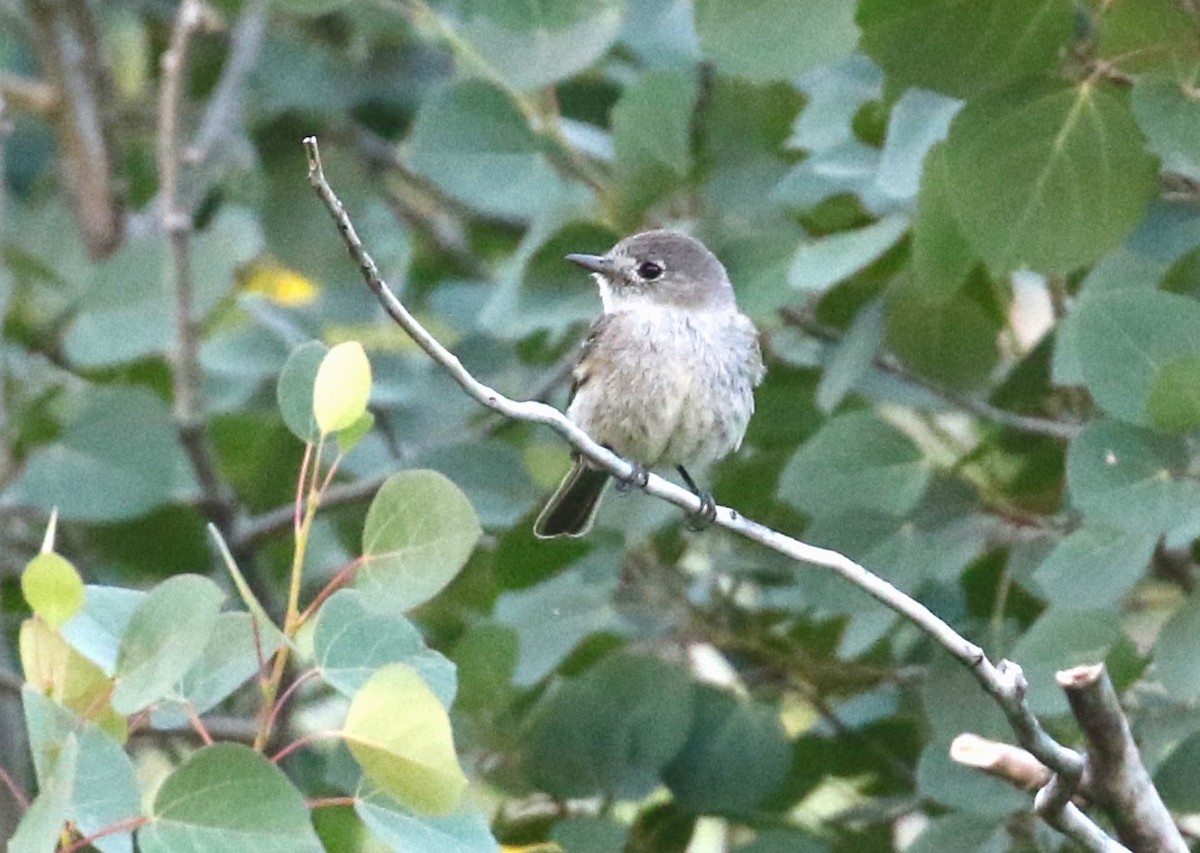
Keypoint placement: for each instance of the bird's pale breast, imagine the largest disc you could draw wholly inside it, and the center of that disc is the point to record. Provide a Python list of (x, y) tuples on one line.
[(666, 386)]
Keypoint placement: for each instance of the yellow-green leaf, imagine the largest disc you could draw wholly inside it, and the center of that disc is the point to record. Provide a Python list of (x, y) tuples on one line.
[(52, 588), (63, 674), (342, 387), (400, 735)]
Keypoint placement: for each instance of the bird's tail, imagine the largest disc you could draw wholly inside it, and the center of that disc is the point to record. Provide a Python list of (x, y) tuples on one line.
[(572, 508)]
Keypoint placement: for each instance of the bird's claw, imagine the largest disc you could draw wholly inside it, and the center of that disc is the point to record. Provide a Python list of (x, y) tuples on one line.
[(637, 479), (704, 516)]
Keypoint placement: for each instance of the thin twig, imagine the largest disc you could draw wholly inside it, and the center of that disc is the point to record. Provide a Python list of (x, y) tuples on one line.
[(253, 532), (28, 95), (177, 223), (301, 742), (1061, 430), (287, 694), (127, 825), (1004, 681), (327, 802), (224, 108), (14, 789)]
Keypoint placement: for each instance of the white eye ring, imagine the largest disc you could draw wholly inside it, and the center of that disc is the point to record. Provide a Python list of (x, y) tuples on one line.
[(649, 270)]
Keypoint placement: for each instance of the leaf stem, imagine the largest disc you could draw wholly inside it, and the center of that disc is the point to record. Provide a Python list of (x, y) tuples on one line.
[(127, 825), (301, 742)]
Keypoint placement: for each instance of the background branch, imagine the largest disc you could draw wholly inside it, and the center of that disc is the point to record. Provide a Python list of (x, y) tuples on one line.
[(176, 221), (1004, 681), (68, 46), (1047, 427), (1120, 784)]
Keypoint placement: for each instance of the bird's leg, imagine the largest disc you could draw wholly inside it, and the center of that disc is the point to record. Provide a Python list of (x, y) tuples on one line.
[(637, 479), (707, 513)]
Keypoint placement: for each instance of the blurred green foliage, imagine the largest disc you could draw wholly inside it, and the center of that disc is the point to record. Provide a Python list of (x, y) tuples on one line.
[(967, 231)]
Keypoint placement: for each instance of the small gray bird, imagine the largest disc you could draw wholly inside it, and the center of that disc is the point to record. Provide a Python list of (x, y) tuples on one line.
[(667, 373)]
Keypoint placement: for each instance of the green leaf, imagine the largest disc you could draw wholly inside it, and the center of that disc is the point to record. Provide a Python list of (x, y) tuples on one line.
[(581, 601), (855, 462), (1094, 567), (1126, 340), (1173, 400), (228, 798), (126, 313), (932, 543), (42, 823), (1061, 639), (917, 122), (956, 831), (356, 432), (537, 289), (774, 39), (834, 94), (1175, 660), (96, 630), (399, 733), (294, 390), (652, 134), (1168, 112), (950, 340), (1014, 165), (418, 534), (351, 641), (473, 143), (587, 834), (941, 255), (1178, 777), (104, 789), (735, 757), (118, 457), (533, 43), (342, 388), (462, 831), (492, 474), (1131, 478), (965, 789), (52, 588), (785, 841), (852, 357), (824, 262), (66, 676), (609, 731), (964, 49), (165, 636), (1149, 35), (231, 657)]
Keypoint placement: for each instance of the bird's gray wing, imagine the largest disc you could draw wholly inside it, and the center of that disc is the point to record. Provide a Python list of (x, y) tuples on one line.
[(590, 354)]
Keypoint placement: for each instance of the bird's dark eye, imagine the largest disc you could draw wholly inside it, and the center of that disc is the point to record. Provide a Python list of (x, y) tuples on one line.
[(649, 270)]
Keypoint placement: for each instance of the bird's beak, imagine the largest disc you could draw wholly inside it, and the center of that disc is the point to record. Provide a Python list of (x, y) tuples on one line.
[(595, 263)]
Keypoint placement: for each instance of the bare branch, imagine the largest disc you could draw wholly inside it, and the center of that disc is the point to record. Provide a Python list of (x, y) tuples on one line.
[(1014, 765), (253, 532), (224, 108), (1062, 430), (1004, 681), (68, 47), (1120, 784), (27, 95), (1053, 804), (177, 223)]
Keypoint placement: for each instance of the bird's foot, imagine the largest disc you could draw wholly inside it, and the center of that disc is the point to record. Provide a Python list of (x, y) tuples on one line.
[(703, 517), (637, 479)]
